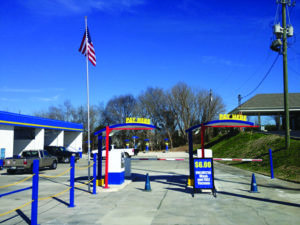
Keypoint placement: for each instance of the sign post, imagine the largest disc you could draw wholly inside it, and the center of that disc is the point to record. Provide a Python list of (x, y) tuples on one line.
[(204, 175)]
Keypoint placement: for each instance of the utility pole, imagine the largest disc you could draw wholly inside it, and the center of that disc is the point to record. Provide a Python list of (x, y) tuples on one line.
[(209, 102), (285, 75), (282, 33)]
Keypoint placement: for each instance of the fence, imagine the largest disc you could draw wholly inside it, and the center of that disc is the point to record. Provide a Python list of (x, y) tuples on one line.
[(35, 188)]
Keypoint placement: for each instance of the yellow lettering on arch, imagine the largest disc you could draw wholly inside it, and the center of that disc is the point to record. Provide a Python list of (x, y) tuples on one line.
[(137, 120), (232, 117)]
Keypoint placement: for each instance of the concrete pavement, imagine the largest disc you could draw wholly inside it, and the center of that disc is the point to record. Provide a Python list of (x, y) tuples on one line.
[(169, 202)]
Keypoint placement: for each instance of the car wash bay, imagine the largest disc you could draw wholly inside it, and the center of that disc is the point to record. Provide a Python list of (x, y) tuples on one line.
[(19, 132)]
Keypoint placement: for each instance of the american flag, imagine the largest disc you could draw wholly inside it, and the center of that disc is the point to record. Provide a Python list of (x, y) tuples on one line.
[(88, 48)]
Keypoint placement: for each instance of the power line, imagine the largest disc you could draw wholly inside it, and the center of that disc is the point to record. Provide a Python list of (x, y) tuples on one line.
[(295, 51), (256, 71), (263, 78), (295, 71)]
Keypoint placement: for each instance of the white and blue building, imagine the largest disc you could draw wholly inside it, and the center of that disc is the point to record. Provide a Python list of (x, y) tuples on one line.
[(19, 132)]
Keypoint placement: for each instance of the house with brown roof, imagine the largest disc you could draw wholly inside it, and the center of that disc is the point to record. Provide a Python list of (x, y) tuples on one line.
[(272, 105)]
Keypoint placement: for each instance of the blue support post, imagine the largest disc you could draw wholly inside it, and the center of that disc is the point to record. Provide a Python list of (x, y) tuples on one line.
[(72, 181), (271, 164), (191, 159), (35, 192), (94, 173)]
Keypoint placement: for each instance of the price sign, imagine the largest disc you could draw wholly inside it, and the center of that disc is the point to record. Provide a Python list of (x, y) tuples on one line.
[(204, 178)]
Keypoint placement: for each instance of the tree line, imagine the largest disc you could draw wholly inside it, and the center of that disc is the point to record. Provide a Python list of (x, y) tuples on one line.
[(172, 111)]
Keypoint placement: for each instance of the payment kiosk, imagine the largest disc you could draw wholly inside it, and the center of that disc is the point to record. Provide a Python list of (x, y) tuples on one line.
[(116, 168)]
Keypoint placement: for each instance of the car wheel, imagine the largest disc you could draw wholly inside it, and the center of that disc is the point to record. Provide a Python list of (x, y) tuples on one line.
[(54, 165), (9, 171), (66, 160)]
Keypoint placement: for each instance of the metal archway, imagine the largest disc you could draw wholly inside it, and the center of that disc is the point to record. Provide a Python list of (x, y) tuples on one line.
[(109, 130), (203, 127)]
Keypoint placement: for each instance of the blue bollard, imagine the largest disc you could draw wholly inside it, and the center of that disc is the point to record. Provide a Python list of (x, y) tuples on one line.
[(72, 181), (94, 173), (271, 164), (35, 192)]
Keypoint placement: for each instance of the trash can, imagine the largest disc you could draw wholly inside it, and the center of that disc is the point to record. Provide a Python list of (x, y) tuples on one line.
[(127, 167)]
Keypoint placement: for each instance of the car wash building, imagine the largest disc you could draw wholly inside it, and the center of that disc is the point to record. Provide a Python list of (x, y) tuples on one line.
[(19, 132)]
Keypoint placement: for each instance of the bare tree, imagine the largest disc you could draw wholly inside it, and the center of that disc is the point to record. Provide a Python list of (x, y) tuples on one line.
[(155, 103), (119, 108), (183, 104), (67, 112)]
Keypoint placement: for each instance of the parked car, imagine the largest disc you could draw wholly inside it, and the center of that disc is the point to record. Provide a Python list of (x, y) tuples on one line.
[(71, 149), (62, 153), (24, 161)]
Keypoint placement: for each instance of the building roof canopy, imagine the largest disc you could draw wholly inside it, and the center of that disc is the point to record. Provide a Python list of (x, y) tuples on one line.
[(14, 119)]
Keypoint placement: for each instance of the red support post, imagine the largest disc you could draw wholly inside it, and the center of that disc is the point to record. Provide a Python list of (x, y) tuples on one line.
[(202, 139), (107, 152)]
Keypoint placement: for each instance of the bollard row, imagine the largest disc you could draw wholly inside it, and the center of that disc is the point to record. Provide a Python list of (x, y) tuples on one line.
[(35, 187)]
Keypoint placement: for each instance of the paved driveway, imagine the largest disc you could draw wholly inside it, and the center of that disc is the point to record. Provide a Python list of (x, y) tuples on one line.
[(169, 202)]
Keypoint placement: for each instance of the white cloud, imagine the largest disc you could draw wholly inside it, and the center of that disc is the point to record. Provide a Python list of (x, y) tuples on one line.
[(19, 90), (45, 99), (8, 99), (220, 61), (67, 7)]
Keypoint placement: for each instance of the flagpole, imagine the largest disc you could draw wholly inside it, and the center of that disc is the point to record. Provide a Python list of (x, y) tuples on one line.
[(88, 102)]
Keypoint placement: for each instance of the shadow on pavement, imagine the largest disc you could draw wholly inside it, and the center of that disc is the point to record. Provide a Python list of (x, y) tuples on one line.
[(178, 181), (260, 185), (259, 199), (61, 201), (12, 217), (23, 216), (155, 171)]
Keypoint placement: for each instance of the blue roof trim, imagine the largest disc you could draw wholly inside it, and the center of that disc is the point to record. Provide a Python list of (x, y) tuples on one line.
[(142, 125), (222, 123), (14, 119)]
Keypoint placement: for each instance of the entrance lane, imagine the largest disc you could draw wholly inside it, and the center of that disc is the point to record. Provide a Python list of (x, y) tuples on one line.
[(170, 201)]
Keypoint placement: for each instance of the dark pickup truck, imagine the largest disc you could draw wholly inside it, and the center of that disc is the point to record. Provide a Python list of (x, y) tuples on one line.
[(62, 153)]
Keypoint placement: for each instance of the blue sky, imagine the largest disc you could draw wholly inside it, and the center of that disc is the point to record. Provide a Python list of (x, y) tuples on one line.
[(218, 45)]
